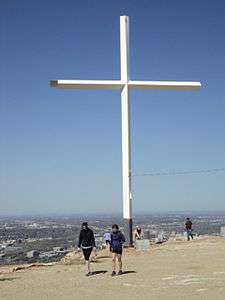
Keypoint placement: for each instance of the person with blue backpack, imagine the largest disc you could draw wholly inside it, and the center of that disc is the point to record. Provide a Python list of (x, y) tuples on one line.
[(116, 247)]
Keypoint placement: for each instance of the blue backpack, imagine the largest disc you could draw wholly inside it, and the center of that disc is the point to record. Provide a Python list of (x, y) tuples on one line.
[(117, 239)]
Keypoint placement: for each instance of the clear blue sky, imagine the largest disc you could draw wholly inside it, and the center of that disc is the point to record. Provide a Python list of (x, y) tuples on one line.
[(60, 150)]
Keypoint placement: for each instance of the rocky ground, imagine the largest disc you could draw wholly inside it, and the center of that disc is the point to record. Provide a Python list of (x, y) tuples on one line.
[(174, 270)]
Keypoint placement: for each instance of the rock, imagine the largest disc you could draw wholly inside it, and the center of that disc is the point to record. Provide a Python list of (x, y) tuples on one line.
[(74, 257), (222, 231), (142, 245)]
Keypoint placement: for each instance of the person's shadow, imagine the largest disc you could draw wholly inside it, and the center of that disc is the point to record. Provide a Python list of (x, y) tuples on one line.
[(104, 271), (99, 272), (128, 272)]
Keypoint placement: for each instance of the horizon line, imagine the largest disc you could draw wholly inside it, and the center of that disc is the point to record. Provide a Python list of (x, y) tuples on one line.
[(51, 214)]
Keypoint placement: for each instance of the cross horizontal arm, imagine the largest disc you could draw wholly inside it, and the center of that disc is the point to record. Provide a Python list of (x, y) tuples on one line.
[(87, 84), (165, 85), (117, 84)]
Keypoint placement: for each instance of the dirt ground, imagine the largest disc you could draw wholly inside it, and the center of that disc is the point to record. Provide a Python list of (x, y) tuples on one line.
[(175, 270)]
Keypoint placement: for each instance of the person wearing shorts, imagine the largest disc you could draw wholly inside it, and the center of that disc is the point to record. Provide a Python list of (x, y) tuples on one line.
[(87, 244), (116, 247)]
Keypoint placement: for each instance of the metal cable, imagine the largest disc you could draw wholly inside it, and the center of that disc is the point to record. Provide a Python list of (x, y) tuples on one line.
[(171, 173)]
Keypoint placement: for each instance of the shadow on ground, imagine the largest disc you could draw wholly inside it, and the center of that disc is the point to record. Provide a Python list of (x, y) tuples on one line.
[(8, 279), (128, 272), (99, 272)]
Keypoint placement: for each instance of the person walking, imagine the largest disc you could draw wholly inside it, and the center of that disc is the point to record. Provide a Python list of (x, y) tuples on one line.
[(107, 239), (116, 247), (188, 226), (87, 244)]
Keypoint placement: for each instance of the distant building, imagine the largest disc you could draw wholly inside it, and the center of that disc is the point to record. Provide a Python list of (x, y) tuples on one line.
[(58, 249), (33, 254)]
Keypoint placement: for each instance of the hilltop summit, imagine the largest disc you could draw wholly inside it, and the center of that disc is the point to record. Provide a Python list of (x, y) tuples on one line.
[(174, 270)]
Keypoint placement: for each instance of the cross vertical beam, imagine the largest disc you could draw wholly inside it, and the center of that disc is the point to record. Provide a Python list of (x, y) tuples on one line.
[(126, 165), (125, 117), (124, 49)]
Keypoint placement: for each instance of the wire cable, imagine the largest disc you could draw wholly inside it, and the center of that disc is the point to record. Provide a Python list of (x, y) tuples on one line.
[(185, 172)]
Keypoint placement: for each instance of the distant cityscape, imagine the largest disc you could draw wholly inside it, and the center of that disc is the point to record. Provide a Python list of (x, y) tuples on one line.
[(50, 238)]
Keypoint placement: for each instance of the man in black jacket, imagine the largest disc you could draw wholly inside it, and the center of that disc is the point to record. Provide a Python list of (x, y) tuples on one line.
[(87, 243)]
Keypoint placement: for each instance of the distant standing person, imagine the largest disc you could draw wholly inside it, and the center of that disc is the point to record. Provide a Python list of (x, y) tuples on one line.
[(188, 226), (87, 244), (107, 238), (116, 247)]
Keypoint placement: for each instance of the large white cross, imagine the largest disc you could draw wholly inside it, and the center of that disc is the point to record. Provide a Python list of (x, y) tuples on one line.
[(125, 85)]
